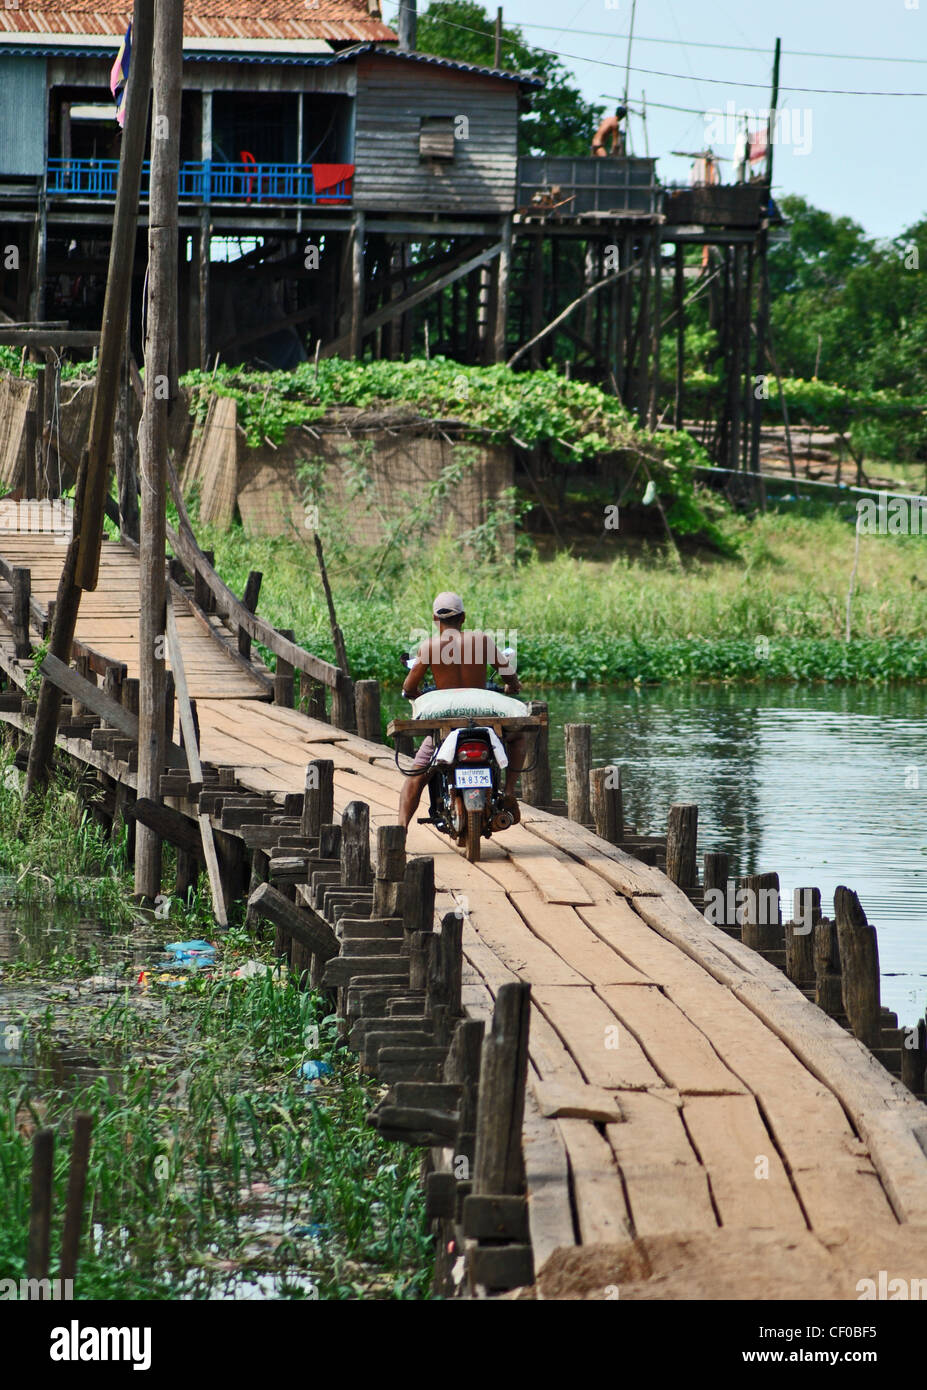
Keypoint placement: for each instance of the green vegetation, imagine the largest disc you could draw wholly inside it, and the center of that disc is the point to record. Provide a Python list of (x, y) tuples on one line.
[(214, 1165), (625, 612)]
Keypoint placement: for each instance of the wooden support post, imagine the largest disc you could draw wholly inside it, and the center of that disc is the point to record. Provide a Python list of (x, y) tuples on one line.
[(357, 284), (535, 780), (445, 975), (799, 935), (606, 803), (40, 1203), (38, 459), (679, 290), (202, 594), (367, 707), (537, 300), (160, 372), (319, 797), (681, 843), (314, 702), (418, 898), (204, 241), (390, 871), (81, 566), (499, 1165), (168, 710), (761, 915), (284, 676), (577, 740), (124, 456), (355, 845), (859, 961), (714, 881), (656, 330), (250, 601), (21, 585), (828, 989), (74, 1205), (503, 269), (914, 1058)]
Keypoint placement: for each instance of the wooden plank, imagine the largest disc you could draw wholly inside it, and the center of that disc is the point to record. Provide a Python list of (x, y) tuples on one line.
[(499, 926), (548, 870), (624, 873), (681, 1053), (550, 1216), (748, 1182), (601, 1209), (606, 1053), (565, 932), (92, 696), (667, 1187)]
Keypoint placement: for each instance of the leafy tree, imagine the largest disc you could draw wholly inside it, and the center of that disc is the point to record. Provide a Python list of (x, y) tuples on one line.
[(556, 120)]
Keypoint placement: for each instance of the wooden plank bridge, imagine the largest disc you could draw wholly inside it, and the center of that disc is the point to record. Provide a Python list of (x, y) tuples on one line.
[(691, 1124)]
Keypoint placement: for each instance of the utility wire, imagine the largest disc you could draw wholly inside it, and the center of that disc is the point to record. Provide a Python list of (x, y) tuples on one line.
[(725, 47), (687, 77)]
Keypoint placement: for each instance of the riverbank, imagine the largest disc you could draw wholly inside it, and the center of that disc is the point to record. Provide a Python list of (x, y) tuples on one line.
[(627, 611)]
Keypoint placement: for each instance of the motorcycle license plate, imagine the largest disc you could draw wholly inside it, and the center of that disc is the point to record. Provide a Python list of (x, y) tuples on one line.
[(472, 777)]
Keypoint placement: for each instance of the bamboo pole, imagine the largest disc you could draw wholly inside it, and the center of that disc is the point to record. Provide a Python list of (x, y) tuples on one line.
[(160, 389)]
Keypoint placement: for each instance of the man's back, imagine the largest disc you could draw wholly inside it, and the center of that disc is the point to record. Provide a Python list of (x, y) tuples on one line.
[(458, 659)]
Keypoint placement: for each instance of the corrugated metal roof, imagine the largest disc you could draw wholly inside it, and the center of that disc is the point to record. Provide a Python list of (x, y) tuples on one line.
[(335, 21), (306, 59)]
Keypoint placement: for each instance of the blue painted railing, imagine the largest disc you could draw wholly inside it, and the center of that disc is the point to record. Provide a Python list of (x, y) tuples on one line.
[(201, 181)]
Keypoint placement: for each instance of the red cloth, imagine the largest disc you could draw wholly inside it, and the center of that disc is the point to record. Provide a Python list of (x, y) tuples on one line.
[(325, 176)]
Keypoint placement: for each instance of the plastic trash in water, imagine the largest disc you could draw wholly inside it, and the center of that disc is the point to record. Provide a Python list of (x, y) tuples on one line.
[(313, 1070), (313, 1231), (196, 953)]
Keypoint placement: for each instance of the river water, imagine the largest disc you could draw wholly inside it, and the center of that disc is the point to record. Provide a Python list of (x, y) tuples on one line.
[(821, 784)]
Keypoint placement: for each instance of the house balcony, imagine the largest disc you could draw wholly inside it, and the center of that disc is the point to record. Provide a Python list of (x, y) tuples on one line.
[(206, 181), (587, 187)]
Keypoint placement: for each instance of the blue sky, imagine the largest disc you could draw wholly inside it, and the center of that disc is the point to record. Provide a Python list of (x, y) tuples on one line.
[(862, 156)]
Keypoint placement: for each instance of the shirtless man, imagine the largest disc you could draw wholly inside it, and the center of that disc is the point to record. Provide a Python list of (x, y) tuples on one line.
[(458, 659), (611, 126)]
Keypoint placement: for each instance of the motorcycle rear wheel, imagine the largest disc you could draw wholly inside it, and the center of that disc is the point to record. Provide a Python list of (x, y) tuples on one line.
[(474, 828)]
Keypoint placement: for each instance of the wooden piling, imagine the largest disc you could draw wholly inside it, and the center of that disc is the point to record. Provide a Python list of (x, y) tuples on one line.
[(914, 1058), (21, 585), (43, 1159), (250, 601), (498, 1165), (284, 676), (319, 797), (355, 845), (715, 869), (390, 871), (828, 990), (859, 960), (681, 843), (606, 803), (535, 780), (418, 897), (761, 915), (577, 739), (799, 935), (74, 1206), (367, 708), (202, 594)]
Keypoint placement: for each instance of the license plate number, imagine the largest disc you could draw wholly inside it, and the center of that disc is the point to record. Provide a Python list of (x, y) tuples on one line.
[(472, 777)]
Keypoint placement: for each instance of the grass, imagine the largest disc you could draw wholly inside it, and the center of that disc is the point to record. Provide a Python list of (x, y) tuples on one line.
[(213, 1167), (627, 611)]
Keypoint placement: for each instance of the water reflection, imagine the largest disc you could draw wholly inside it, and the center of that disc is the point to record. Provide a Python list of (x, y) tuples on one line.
[(825, 785)]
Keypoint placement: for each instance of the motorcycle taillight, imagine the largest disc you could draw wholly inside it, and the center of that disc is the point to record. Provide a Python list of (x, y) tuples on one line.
[(473, 752)]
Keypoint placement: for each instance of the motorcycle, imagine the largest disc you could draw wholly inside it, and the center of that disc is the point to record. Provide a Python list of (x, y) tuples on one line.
[(467, 781)]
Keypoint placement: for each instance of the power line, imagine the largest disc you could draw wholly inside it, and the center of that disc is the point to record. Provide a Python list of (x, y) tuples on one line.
[(687, 77), (732, 47)]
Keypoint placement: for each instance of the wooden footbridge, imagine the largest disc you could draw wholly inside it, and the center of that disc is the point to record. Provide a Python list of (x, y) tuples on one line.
[(655, 1111)]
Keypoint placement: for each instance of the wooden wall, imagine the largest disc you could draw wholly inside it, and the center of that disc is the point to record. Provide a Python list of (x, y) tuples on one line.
[(392, 96)]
